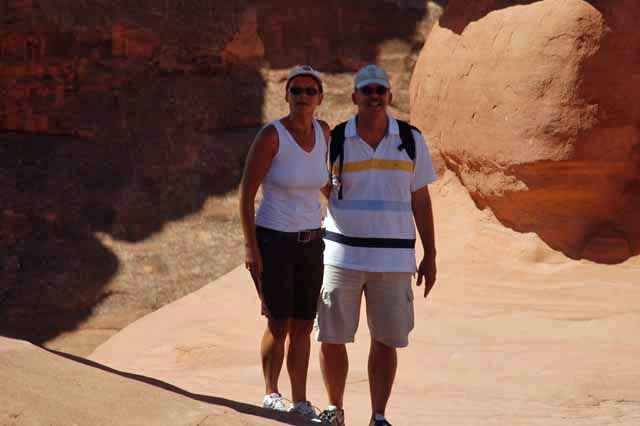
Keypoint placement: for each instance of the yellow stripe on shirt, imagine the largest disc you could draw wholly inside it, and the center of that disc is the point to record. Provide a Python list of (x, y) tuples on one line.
[(381, 164)]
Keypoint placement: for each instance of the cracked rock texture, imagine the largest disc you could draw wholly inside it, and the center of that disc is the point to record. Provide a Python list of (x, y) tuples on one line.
[(534, 105)]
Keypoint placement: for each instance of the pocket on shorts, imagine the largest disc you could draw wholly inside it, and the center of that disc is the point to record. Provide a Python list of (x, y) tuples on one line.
[(261, 234), (410, 312), (410, 295), (264, 240), (325, 296)]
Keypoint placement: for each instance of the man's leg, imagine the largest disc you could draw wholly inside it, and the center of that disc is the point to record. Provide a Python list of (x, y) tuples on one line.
[(390, 316), (298, 357), (337, 321), (383, 363), (272, 352), (334, 364)]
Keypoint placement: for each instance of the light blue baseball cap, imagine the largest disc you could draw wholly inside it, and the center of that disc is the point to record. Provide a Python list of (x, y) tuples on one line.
[(372, 74)]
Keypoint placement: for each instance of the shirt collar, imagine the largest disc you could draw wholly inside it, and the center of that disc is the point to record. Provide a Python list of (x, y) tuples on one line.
[(351, 130)]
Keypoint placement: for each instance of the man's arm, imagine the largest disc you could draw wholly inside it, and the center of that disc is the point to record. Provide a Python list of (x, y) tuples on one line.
[(423, 216)]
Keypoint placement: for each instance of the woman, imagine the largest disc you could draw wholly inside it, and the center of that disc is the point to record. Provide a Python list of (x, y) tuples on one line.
[(283, 242)]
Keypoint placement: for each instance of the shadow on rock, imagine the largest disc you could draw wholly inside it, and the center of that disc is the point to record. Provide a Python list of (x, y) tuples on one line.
[(59, 191), (240, 407), (458, 14), (336, 36)]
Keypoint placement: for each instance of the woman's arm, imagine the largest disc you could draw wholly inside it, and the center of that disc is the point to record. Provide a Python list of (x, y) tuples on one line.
[(259, 159)]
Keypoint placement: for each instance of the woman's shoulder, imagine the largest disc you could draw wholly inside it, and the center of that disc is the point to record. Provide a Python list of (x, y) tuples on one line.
[(267, 137), (325, 129), (268, 131), (324, 125)]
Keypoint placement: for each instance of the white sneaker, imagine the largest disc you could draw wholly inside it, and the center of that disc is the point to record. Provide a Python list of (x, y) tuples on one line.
[(274, 402), (304, 409)]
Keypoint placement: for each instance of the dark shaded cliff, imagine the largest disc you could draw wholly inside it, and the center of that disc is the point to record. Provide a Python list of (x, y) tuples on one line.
[(112, 119)]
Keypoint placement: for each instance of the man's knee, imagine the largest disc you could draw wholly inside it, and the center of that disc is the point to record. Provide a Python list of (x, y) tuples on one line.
[(382, 347), (329, 349)]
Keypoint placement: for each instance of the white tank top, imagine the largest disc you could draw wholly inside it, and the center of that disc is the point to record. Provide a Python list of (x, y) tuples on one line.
[(291, 188)]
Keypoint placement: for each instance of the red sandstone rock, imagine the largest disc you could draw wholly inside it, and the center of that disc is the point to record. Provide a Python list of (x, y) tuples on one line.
[(111, 119), (534, 107)]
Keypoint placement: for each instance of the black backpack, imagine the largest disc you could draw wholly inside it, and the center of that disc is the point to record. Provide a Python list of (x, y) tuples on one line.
[(336, 148)]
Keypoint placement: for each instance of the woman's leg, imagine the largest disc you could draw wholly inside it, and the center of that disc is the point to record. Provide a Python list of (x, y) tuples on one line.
[(298, 357), (272, 352)]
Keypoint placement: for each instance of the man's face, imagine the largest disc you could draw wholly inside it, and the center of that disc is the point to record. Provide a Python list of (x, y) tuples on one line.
[(372, 97)]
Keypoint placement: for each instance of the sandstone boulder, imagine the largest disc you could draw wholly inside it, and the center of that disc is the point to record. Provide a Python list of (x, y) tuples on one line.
[(533, 105)]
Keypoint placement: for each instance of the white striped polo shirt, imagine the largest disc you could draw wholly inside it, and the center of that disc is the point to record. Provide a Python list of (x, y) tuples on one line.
[(377, 186)]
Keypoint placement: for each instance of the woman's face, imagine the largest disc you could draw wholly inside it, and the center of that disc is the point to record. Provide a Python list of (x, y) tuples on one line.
[(303, 94)]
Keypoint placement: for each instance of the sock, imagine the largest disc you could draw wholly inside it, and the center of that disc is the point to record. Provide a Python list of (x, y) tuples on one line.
[(378, 417), (299, 403), (332, 407)]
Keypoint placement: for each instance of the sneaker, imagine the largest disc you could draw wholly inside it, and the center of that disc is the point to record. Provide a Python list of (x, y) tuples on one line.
[(332, 416), (382, 422), (304, 409), (274, 402)]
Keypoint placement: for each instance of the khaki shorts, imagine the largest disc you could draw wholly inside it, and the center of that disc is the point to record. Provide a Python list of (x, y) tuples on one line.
[(389, 299)]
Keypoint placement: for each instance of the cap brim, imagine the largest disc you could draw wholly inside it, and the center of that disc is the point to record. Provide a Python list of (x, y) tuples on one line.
[(305, 73), (368, 81)]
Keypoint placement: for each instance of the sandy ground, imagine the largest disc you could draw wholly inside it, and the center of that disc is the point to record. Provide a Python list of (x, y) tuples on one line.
[(514, 333)]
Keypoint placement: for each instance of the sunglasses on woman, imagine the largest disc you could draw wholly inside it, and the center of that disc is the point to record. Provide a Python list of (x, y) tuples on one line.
[(368, 90), (297, 91)]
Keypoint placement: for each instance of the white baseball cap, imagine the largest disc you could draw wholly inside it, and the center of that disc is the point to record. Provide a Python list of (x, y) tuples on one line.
[(372, 74), (305, 70)]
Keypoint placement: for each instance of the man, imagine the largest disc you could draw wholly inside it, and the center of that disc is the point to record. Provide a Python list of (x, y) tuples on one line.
[(378, 192)]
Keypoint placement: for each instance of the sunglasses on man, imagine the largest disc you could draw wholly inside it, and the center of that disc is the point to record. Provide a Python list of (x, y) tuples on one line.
[(369, 90), (297, 91)]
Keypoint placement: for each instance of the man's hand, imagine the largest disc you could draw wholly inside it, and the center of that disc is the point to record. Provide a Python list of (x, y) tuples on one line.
[(427, 270), (423, 215)]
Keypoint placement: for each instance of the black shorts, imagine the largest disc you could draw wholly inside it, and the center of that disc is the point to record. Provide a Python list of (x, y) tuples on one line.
[(291, 276)]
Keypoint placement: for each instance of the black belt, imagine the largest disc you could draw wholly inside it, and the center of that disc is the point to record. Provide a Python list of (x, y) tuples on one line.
[(301, 236), (370, 242)]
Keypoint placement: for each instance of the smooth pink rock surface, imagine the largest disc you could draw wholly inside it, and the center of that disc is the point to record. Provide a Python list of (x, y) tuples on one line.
[(513, 333)]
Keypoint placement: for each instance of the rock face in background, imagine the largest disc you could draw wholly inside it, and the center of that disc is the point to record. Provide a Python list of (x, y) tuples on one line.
[(114, 121), (110, 113), (534, 106)]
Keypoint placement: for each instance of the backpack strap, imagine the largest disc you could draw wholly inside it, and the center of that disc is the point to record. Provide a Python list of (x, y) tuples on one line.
[(336, 151), (408, 142)]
